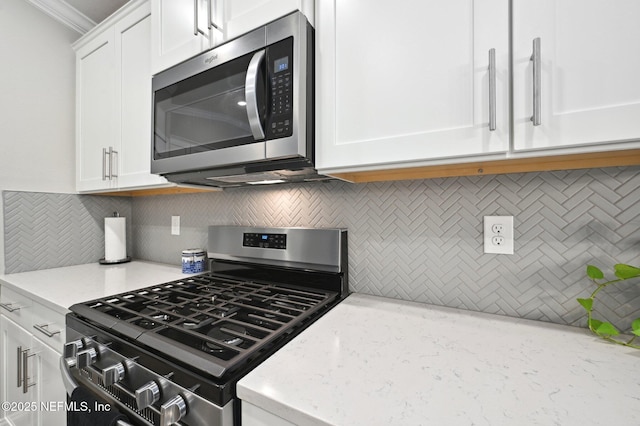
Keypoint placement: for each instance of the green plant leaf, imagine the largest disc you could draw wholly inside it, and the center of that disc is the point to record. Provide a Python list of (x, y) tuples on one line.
[(587, 304), (626, 271), (594, 272), (594, 324), (635, 327), (607, 329)]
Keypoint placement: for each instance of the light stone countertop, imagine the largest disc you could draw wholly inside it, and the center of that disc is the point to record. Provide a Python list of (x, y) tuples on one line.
[(376, 361), (59, 288)]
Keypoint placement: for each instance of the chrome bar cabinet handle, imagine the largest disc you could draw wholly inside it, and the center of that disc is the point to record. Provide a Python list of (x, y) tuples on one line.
[(19, 367), (210, 22), (43, 330), (104, 163), (537, 82), (25, 371), (196, 30), (492, 90), (8, 307), (113, 159)]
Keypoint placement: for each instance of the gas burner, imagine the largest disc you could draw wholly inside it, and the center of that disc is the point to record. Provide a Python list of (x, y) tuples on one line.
[(197, 322), (152, 318), (190, 308), (224, 334)]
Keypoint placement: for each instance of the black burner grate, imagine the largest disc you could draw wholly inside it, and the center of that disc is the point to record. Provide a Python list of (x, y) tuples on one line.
[(211, 322)]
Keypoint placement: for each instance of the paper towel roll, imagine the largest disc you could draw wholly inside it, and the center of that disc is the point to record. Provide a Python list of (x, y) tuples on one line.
[(115, 239)]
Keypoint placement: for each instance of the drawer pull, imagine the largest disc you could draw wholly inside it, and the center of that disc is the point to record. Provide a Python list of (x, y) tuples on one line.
[(43, 330), (8, 307)]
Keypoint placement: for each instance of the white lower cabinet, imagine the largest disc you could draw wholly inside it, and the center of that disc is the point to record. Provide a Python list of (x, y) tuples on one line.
[(410, 81), (253, 415), (26, 357), (31, 339), (15, 340), (588, 88)]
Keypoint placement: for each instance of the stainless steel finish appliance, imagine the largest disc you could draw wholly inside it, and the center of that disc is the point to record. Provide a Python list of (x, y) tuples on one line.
[(241, 112), (173, 352)]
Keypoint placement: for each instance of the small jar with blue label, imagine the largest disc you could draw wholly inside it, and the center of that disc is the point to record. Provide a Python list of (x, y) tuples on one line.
[(193, 261)]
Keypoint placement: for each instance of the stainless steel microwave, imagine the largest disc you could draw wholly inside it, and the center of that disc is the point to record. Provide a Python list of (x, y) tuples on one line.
[(239, 113)]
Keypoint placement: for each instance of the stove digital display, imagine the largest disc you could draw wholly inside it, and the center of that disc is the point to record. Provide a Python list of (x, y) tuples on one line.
[(271, 241)]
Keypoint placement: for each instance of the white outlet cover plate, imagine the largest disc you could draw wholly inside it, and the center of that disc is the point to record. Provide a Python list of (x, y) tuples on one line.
[(507, 234), (175, 225)]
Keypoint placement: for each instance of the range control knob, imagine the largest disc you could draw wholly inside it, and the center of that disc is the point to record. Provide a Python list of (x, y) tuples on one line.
[(71, 349), (86, 358), (147, 395), (172, 411), (113, 374)]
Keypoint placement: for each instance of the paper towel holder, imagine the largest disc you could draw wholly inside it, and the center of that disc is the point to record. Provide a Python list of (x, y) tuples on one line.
[(125, 259)]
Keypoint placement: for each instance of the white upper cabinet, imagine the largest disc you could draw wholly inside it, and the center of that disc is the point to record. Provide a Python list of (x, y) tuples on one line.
[(132, 40), (406, 82), (589, 86), (242, 16), (95, 107), (181, 29), (113, 103)]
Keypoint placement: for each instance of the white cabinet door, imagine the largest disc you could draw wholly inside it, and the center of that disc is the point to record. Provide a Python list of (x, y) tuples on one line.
[(48, 385), (113, 146), (14, 338), (133, 65), (590, 68), (95, 104), (401, 83), (180, 29), (43, 379), (241, 16)]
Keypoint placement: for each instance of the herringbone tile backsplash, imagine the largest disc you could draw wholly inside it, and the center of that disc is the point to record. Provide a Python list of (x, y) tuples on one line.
[(43, 231), (422, 240)]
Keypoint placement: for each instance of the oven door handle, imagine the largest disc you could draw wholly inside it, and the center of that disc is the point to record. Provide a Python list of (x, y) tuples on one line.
[(67, 379), (70, 384), (251, 95)]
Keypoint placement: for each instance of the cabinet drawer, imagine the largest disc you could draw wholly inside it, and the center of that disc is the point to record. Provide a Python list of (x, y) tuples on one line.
[(16, 306), (48, 326)]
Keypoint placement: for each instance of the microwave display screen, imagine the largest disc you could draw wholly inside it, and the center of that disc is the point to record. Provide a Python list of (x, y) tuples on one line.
[(281, 64)]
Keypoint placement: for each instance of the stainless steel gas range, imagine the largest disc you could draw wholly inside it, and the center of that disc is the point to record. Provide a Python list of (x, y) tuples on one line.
[(172, 353)]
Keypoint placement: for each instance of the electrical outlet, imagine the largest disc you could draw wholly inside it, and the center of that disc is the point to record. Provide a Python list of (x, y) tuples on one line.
[(498, 234), (175, 225), (497, 241)]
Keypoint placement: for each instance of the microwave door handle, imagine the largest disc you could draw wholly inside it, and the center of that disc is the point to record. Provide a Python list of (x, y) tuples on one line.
[(251, 95)]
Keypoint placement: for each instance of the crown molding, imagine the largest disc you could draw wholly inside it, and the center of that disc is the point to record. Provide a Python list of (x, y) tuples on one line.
[(65, 13)]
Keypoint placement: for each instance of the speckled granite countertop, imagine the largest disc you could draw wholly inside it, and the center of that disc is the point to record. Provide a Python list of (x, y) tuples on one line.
[(377, 361)]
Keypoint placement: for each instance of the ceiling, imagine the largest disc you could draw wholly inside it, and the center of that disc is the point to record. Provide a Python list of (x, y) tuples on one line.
[(79, 15), (96, 10)]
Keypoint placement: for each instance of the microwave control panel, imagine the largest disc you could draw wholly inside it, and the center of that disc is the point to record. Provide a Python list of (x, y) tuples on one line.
[(280, 72)]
